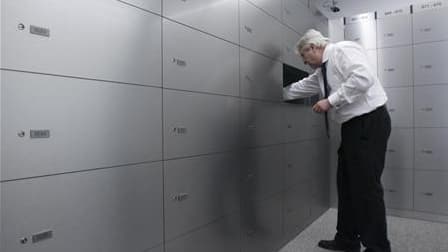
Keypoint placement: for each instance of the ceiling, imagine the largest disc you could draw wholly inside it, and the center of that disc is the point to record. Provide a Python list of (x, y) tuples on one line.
[(353, 7)]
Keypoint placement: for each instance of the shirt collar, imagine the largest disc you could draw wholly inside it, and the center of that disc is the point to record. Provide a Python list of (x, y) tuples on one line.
[(327, 51)]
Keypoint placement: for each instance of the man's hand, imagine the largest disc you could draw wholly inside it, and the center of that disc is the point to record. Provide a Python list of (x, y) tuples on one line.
[(322, 106)]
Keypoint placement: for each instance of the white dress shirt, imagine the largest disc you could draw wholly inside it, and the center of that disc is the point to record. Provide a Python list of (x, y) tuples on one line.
[(354, 88)]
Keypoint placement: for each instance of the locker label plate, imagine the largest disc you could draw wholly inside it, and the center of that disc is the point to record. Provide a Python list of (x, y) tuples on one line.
[(40, 133), (41, 31)]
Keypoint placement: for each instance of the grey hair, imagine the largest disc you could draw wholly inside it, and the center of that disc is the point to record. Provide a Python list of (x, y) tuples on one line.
[(311, 37)]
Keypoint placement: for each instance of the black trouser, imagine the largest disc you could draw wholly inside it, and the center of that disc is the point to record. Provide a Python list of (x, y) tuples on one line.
[(361, 210)]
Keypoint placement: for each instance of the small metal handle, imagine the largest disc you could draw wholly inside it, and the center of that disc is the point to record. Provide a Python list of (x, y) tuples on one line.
[(428, 194), (248, 29), (251, 126), (426, 109), (426, 66), (391, 150), (180, 197), (427, 151), (391, 190)]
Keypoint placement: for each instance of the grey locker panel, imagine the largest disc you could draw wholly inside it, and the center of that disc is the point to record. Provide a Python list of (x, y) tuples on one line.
[(400, 149), (297, 208), (430, 191), (262, 230), (199, 123), (297, 15), (216, 17), (430, 106), (430, 25), (261, 123), (430, 64), (430, 148), (394, 31), (260, 77), (222, 235), (274, 8), (316, 125), (395, 66), (397, 185), (150, 5), (363, 32), (262, 172), (156, 249), (259, 31), (299, 159), (91, 124), (399, 105), (296, 122), (198, 191), (290, 39), (125, 40), (117, 209), (372, 56), (203, 63)]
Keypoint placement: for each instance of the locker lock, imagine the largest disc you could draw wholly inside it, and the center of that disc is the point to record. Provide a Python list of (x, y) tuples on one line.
[(23, 240), (21, 27), (21, 133)]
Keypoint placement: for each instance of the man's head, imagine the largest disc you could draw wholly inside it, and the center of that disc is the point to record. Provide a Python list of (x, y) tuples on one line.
[(311, 47)]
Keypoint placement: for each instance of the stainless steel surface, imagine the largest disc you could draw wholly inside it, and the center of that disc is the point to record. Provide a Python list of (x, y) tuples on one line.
[(400, 149), (118, 209), (429, 66), (398, 188), (395, 66), (274, 8), (299, 158), (93, 124), (212, 185), (394, 30), (430, 25), (399, 105), (211, 123), (362, 32), (297, 16), (260, 77), (125, 41), (430, 106), (259, 31), (209, 64), (430, 191), (217, 17), (430, 149), (297, 209), (150, 5), (222, 235)]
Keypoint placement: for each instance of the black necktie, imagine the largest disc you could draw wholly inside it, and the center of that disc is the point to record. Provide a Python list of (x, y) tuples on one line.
[(326, 93)]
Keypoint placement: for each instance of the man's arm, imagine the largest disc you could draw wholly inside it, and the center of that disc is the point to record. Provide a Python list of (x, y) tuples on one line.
[(306, 87)]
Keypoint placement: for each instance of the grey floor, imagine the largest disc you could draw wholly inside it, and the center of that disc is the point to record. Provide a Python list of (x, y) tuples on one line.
[(406, 235)]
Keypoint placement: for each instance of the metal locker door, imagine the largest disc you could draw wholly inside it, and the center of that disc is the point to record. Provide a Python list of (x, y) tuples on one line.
[(297, 210), (222, 235), (297, 15), (372, 56), (430, 106), (125, 42), (297, 122), (274, 8), (362, 29), (394, 30), (149, 5), (263, 233), (117, 209), (199, 190), (261, 123), (398, 188), (216, 17), (196, 124), (290, 39), (262, 172), (429, 22), (395, 66), (260, 77), (430, 148), (259, 31), (430, 191), (199, 62), (400, 149), (400, 104), (53, 125), (298, 163), (430, 64)]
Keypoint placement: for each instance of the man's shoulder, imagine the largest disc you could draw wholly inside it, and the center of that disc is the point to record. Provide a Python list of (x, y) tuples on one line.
[(347, 44)]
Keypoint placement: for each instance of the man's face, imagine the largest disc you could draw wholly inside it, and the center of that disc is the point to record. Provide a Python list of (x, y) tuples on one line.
[(311, 56)]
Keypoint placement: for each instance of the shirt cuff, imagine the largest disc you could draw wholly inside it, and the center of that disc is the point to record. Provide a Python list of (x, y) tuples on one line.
[(334, 99)]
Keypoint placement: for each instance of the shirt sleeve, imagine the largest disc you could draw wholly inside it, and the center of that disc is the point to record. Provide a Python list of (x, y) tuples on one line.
[(354, 67), (304, 88)]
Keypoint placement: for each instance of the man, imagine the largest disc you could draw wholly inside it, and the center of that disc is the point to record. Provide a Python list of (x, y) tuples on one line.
[(357, 100)]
